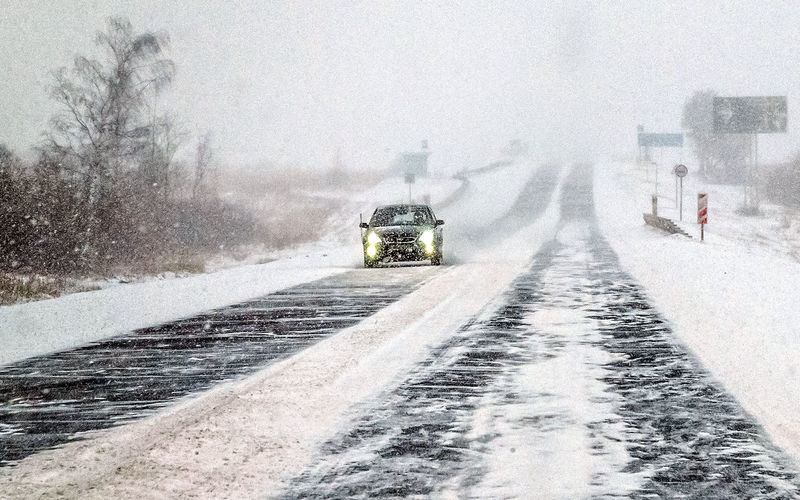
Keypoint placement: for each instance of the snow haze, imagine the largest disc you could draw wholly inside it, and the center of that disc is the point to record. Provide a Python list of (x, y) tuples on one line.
[(299, 82)]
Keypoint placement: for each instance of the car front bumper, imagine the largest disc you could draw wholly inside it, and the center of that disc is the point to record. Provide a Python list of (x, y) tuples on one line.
[(399, 252)]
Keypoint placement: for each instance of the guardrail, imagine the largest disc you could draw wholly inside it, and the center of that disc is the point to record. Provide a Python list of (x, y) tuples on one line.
[(664, 224)]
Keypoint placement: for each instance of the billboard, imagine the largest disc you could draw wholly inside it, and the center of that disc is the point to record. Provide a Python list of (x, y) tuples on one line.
[(660, 140), (411, 163), (750, 115)]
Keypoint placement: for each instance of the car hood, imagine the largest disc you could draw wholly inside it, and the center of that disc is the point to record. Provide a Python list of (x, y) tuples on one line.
[(399, 230)]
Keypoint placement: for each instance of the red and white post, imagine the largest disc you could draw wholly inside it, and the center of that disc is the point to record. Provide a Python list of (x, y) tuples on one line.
[(702, 212)]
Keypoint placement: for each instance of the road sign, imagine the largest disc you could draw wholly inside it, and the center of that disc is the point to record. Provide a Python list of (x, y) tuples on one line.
[(661, 140), (702, 213), (702, 208), (680, 172), (750, 115)]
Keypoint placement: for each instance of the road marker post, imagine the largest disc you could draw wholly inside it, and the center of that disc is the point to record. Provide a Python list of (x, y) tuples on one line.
[(676, 188), (655, 167), (702, 213)]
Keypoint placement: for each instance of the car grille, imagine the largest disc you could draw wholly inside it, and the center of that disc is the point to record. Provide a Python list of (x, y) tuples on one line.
[(393, 239)]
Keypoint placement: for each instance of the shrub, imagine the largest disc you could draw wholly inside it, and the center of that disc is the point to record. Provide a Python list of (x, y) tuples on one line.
[(782, 183)]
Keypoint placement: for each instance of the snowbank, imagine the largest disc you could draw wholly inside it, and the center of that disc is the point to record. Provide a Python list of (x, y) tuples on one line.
[(732, 299), (51, 325)]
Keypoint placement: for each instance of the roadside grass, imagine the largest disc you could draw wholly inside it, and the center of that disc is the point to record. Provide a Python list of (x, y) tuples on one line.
[(17, 288), (184, 264)]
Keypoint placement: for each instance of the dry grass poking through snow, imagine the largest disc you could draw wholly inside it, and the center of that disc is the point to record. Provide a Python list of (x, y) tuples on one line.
[(294, 205), (24, 288)]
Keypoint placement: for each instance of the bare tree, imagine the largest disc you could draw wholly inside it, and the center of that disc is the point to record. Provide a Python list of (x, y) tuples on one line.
[(159, 167), (722, 157), (8, 160), (104, 127), (106, 190), (204, 157)]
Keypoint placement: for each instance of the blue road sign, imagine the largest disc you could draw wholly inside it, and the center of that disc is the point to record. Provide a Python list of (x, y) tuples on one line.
[(661, 140)]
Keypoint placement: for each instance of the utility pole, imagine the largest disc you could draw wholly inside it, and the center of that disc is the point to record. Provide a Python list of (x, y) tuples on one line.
[(756, 194), (655, 166)]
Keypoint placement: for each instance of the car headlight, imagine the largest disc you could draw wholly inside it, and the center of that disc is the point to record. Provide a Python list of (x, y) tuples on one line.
[(373, 239), (427, 237)]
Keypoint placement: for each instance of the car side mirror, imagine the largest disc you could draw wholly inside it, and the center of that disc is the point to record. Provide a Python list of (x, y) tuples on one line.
[(439, 222), (364, 225)]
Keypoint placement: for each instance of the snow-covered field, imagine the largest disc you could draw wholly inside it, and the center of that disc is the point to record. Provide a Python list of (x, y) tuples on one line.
[(733, 299)]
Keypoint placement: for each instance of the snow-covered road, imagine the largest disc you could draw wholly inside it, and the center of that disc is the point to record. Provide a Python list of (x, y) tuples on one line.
[(500, 376), (572, 387)]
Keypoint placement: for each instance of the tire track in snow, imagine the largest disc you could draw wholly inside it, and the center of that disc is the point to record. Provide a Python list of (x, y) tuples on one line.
[(573, 387)]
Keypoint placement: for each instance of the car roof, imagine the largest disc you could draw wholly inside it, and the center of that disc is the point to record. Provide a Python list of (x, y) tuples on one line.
[(403, 205)]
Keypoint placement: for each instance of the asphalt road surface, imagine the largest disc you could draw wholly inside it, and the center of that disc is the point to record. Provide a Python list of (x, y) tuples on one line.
[(48, 400)]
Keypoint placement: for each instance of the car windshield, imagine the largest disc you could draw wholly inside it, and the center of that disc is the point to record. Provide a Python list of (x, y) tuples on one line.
[(402, 216)]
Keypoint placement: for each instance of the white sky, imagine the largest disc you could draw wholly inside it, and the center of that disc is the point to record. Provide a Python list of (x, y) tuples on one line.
[(297, 81)]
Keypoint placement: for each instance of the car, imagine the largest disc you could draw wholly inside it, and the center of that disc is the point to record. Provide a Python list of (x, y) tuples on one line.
[(402, 233)]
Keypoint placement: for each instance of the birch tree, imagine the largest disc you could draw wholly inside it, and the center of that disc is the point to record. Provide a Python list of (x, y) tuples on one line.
[(107, 121)]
